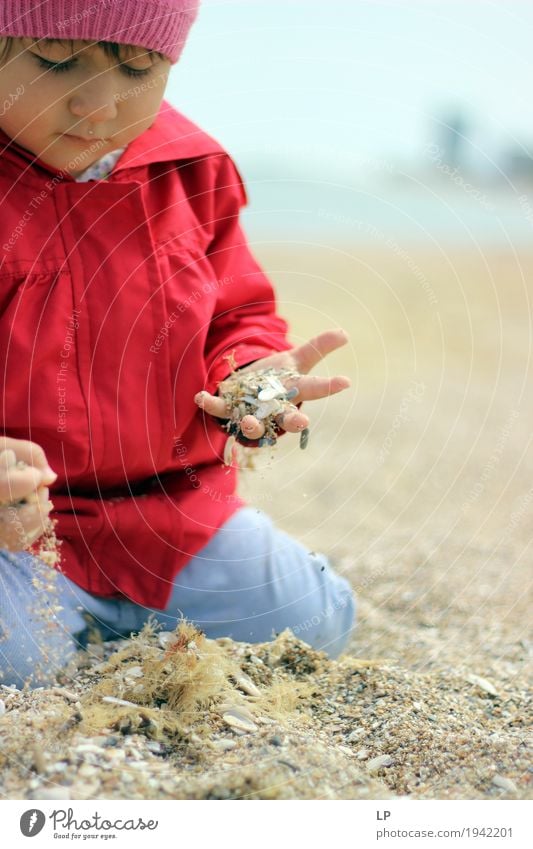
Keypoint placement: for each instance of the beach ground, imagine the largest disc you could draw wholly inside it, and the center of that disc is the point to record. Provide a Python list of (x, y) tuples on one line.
[(417, 483)]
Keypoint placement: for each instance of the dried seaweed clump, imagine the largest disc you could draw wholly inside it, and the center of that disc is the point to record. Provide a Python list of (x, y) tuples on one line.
[(180, 685)]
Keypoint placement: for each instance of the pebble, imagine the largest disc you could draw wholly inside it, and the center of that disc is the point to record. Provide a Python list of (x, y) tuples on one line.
[(505, 784), (60, 766), (378, 763), (362, 754), (134, 672), (2, 707), (88, 748), (304, 438), (87, 771), (345, 750)]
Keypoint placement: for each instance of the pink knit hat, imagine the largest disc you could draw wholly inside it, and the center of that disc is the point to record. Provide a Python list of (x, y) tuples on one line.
[(160, 25)]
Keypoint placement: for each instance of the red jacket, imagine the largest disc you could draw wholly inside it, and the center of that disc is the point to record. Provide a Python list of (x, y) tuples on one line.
[(119, 300)]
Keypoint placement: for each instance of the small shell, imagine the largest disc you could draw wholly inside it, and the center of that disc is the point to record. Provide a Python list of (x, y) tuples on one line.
[(247, 686), (228, 450), (378, 763), (268, 394), (483, 684), (66, 694), (233, 707), (55, 792), (223, 744), (274, 389), (505, 784), (266, 408), (239, 722), (111, 700), (166, 637)]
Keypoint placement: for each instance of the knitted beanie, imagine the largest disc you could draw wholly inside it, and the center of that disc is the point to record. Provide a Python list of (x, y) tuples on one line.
[(159, 25)]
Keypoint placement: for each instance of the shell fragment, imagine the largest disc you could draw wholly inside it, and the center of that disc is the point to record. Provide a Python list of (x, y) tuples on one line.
[(239, 722), (228, 450), (273, 389), (247, 686)]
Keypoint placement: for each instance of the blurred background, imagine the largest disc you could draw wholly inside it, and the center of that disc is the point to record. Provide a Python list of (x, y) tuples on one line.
[(365, 110), (387, 148)]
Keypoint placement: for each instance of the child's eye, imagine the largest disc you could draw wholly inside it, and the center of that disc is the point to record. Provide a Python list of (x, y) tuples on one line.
[(135, 72), (56, 67), (59, 67)]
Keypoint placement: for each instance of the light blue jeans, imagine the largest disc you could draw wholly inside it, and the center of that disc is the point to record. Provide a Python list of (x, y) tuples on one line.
[(250, 582)]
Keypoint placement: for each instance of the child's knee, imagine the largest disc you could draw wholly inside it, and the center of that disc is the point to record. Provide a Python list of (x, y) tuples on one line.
[(326, 619)]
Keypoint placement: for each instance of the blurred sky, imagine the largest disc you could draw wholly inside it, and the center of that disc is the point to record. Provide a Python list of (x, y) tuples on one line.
[(300, 87), (371, 75)]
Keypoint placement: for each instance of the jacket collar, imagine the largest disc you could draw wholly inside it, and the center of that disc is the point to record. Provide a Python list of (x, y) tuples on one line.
[(172, 136)]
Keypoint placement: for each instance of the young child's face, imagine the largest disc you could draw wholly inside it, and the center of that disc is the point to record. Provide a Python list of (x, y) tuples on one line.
[(41, 109)]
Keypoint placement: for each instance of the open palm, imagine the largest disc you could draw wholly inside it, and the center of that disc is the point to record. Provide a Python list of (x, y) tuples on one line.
[(302, 358)]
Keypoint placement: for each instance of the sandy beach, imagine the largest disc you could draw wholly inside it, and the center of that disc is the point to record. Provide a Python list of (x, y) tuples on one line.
[(417, 483)]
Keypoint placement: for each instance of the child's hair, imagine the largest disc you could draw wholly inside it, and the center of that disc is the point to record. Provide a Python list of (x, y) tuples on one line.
[(111, 48)]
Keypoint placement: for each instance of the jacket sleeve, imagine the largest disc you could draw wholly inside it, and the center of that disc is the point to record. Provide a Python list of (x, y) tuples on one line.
[(245, 326)]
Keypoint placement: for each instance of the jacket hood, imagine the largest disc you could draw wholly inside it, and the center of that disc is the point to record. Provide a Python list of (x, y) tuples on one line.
[(172, 136)]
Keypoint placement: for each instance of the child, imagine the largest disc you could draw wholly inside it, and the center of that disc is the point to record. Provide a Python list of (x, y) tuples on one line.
[(127, 294)]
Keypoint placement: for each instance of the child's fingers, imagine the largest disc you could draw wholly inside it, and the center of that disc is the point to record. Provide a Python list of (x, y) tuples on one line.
[(22, 526), (312, 387), (293, 421), (211, 404), (251, 427), (16, 484), (307, 356), (30, 453)]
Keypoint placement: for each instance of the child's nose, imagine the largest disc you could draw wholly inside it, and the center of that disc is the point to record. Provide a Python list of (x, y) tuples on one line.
[(97, 102)]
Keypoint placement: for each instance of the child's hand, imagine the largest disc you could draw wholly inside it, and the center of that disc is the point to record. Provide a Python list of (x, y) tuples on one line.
[(24, 503), (302, 359)]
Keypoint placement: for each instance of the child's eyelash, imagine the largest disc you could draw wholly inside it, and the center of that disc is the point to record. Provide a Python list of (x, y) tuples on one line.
[(61, 67)]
